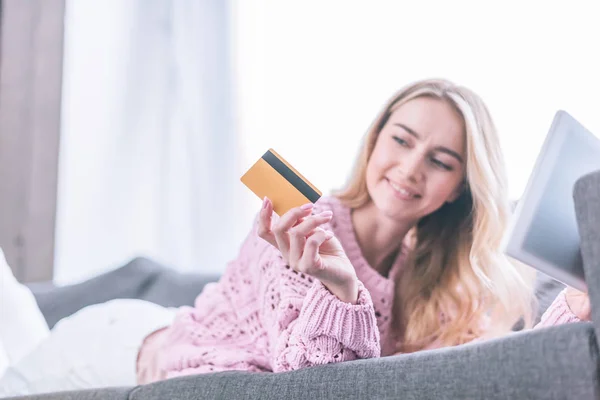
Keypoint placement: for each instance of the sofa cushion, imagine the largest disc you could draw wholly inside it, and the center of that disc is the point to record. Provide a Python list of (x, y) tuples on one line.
[(552, 363), (587, 207), (141, 278)]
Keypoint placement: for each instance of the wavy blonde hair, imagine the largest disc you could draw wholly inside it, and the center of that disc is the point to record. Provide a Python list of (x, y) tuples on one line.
[(457, 285)]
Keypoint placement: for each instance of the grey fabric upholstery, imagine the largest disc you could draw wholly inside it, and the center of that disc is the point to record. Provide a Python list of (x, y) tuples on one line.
[(139, 279), (554, 363), (587, 206), (467, 372)]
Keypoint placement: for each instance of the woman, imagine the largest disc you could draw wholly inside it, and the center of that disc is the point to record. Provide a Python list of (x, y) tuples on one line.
[(406, 257)]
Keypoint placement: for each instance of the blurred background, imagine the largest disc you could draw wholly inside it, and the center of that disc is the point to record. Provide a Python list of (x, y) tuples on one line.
[(157, 107)]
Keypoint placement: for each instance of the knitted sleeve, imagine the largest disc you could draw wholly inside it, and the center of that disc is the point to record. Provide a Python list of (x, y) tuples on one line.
[(308, 325), (321, 329), (558, 313)]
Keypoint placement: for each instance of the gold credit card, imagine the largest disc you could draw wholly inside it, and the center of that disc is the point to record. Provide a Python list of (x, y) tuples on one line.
[(275, 178)]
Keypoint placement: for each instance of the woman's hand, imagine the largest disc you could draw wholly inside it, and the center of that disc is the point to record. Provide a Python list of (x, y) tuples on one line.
[(309, 249), (579, 303)]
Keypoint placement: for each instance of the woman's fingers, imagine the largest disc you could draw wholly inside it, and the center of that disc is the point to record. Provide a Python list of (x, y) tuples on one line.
[(264, 222), (297, 243), (292, 233), (310, 260), (285, 223), (311, 223), (299, 234)]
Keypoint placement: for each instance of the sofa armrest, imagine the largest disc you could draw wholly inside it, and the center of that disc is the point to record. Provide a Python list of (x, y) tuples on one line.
[(586, 194), (559, 362), (554, 363)]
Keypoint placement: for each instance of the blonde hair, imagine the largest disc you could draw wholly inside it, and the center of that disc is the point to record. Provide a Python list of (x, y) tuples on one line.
[(457, 284)]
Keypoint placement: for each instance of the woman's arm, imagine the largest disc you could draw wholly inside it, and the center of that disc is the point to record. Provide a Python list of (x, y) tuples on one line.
[(569, 306), (325, 314), (321, 329)]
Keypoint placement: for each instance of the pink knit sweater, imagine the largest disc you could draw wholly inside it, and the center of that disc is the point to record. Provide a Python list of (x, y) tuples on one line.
[(263, 316)]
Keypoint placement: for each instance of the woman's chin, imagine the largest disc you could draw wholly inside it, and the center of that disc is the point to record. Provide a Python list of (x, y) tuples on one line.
[(392, 209)]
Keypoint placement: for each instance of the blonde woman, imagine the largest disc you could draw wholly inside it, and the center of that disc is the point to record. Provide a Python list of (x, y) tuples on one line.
[(405, 257)]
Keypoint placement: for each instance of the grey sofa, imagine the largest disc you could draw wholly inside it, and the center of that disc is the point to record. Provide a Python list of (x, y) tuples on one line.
[(552, 363)]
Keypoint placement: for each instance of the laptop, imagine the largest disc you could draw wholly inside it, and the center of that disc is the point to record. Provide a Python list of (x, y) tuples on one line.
[(543, 230)]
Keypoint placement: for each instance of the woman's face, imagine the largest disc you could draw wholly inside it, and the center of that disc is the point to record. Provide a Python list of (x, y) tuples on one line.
[(418, 162)]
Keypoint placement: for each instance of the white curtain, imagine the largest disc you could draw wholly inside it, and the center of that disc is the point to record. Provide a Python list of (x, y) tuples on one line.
[(148, 164)]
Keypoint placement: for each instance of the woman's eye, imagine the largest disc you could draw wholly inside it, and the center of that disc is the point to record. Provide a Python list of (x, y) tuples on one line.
[(401, 141), (440, 164)]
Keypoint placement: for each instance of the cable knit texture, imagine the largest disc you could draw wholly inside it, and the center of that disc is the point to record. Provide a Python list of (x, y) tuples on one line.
[(264, 316), (558, 313)]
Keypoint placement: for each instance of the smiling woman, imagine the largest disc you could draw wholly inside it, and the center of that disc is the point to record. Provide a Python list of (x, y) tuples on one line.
[(423, 169), (337, 280), (432, 162)]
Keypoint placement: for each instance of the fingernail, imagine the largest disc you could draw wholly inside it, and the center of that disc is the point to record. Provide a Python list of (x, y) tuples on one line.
[(328, 235), (265, 203), (326, 214), (307, 206)]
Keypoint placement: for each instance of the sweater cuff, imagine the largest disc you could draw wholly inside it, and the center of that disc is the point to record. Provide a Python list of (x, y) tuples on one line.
[(353, 325), (559, 312)]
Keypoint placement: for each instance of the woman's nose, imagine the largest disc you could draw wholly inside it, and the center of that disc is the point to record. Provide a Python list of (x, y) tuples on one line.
[(411, 167)]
